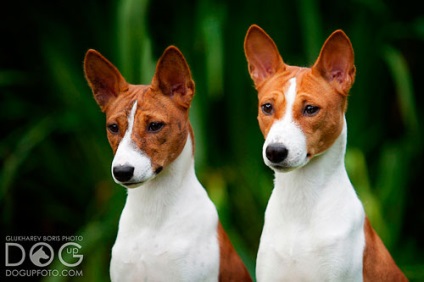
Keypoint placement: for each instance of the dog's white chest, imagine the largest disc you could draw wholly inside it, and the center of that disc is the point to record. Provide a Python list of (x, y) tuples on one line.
[(174, 239), (323, 242), (166, 256)]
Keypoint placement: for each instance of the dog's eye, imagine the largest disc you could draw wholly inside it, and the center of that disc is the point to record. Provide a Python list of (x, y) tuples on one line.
[(267, 108), (155, 126), (113, 128), (310, 110)]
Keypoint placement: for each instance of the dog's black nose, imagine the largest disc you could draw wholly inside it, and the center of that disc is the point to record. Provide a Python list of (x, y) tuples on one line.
[(276, 153), (123, 173)]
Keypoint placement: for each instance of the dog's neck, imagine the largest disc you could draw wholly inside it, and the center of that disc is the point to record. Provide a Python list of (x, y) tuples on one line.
[(302, 188), (151, 201)]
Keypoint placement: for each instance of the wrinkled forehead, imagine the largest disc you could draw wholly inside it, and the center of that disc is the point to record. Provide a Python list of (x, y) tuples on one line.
[(123, 104), (151, 105), (275, 86), (306, 83), (280, 82)]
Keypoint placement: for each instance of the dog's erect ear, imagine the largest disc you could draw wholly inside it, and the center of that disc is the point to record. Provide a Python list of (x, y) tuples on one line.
[(105, 80), (173, 77), (262, 55), (336, 62)]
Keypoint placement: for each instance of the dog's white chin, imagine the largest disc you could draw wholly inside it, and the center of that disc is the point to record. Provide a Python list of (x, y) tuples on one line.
[(132, 185), (282, 169), (287, 166), (136, 183)]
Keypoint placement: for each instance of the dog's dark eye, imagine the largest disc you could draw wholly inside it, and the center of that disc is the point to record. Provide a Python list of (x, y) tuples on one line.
[(267, 108), (155, 126), (310, 110), (113, 128)]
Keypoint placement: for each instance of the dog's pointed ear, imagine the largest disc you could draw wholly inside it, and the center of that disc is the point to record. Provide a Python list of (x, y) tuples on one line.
[(262, 55), (173, 77), (103, 77), (336, 62)]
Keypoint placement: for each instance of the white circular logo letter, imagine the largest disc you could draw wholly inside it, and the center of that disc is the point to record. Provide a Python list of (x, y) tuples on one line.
[(72, 251), (38, 254)]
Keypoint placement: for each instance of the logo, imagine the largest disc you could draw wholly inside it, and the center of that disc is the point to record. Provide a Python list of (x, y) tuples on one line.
[(21, 251), (71, 250), (38, 255)]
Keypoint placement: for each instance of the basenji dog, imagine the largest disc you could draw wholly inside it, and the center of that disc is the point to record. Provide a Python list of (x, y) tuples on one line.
[(169, 228), (315, 226)]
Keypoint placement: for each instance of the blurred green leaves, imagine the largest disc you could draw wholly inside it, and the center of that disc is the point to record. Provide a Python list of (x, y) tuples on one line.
[(133, 41), (404, 89)]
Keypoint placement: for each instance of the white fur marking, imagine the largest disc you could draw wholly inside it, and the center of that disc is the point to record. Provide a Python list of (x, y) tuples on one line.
[(129, 154), (314, 220), (167, 230), (290, 97), (286, 132)]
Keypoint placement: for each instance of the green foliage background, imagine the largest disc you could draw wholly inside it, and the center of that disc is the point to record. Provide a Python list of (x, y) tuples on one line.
[(55, 159)]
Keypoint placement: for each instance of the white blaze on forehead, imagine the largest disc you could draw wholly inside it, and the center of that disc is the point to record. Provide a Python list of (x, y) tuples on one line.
[(290, 96), (131, 118), (288, 133), (129, 154), (127, 148)]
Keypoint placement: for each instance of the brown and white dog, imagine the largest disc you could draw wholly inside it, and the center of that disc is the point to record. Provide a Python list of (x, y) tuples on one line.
[(315, 226), (169, 228)]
